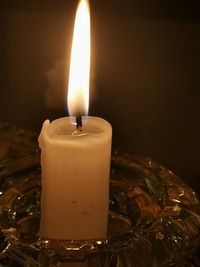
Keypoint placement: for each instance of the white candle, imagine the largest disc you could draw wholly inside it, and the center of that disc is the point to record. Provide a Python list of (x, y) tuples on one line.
[(76, 168), (75, 179)]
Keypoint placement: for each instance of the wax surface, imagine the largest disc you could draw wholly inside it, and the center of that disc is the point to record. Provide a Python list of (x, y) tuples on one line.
[(75, 179)]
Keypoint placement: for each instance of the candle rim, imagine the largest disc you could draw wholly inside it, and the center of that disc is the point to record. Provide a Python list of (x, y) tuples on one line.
[(103, 128)]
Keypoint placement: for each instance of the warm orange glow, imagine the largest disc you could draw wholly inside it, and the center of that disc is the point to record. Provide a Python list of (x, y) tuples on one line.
[(78, 88)]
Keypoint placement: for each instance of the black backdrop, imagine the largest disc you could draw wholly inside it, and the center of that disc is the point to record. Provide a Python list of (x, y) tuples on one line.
[(145, 76)]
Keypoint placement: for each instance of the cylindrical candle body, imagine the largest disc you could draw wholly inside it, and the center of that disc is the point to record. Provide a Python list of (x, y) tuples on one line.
[(75, 179)]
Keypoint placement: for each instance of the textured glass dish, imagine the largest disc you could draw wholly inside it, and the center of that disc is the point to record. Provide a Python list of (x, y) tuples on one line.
[(154, 218)]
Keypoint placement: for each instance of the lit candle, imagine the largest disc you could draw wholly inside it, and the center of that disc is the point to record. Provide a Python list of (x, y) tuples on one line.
[(75, 155)]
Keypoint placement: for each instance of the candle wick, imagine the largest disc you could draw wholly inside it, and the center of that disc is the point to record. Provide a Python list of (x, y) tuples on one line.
[(79, 131), (79, 122)]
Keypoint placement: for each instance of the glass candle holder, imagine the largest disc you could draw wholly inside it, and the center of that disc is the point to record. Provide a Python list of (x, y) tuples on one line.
[(154, 218)]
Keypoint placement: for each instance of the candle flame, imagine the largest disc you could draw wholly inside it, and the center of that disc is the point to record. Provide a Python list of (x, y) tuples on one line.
[(79, 74)]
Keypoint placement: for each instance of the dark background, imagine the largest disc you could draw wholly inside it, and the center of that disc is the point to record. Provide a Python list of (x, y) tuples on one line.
[(145, 76)]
